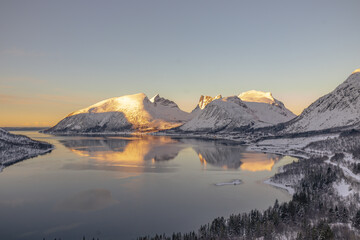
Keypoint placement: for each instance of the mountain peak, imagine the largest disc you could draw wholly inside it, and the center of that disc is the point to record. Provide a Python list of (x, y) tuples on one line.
[(126, 113), (155, 98), (205, 100), (356, 71), (257, 96)]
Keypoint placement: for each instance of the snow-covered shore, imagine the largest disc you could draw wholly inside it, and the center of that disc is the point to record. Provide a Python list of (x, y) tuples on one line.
[(15, 148), (290, 190)]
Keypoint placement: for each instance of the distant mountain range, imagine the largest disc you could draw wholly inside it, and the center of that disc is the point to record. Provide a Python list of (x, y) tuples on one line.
[(252, 110), (137, 113)]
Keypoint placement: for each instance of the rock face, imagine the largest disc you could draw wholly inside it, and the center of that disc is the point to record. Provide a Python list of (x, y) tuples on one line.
[(340, 108), (203, 102), (123, 114), (256, 109), (14, 148)]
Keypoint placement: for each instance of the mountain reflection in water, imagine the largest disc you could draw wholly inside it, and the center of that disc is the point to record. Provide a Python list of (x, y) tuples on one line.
[(138, 154), (124, 154)]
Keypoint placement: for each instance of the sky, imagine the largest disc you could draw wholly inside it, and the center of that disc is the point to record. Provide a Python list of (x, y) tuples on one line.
[(60, 56)]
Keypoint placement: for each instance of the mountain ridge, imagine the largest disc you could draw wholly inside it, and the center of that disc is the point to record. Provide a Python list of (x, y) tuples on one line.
[(337, 109)]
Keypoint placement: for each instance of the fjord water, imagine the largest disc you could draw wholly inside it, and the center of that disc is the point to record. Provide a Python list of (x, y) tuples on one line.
[(125, 187)]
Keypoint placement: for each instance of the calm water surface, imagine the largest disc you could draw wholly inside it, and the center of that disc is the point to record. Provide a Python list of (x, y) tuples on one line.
[(121, 188)]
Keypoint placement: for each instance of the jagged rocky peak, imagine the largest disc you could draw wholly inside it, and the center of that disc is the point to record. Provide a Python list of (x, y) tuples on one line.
[(155, 98), (160, 100), (258, 96), (205, 100)]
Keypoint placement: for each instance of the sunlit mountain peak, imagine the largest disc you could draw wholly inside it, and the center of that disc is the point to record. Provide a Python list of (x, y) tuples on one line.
[(205, 100), (126, 113), (257, 96), (356, 71)]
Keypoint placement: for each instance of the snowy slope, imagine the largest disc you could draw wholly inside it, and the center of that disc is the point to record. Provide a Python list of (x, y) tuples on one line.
[(268, 109), (127, 113), (221, 114), (14, 148), (340, 108)]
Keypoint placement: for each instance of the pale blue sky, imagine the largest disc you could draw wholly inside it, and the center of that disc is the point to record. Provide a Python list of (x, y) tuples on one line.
[(59, 56)]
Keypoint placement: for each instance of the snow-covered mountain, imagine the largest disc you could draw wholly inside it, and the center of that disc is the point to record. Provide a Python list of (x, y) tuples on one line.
[(221, 114), (268, 109), (339, 108), (14, 148), (122, 114), (226, 114)]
